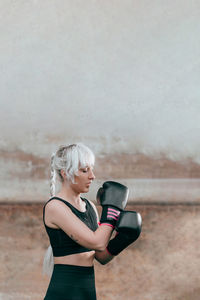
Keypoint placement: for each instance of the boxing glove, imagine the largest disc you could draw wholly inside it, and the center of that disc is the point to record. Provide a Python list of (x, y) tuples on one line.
[(112, 196), (128, 229)]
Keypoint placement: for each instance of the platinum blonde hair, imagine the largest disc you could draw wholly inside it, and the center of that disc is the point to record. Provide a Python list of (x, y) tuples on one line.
[(70, 159)]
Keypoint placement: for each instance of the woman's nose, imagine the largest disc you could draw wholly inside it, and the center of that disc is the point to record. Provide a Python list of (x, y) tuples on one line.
[(92, 176)]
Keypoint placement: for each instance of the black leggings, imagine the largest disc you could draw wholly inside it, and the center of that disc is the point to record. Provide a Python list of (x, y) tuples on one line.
[(70, 282)]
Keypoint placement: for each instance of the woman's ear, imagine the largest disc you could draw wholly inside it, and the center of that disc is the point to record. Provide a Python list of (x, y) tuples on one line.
[(63, 174)]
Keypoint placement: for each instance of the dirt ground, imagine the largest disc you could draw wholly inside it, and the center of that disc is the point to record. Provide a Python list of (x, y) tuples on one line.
[(162, 265)]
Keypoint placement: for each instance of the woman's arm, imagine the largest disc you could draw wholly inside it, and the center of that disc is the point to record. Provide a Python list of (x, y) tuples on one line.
[(103, 257), (61, 215)]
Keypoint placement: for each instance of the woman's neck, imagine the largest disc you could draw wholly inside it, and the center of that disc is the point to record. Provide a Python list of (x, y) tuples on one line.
[(69, 195), (73, 199)]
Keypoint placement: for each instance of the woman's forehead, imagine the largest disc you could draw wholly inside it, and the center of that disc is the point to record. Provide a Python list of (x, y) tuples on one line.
[(88, 160), (86, 165)]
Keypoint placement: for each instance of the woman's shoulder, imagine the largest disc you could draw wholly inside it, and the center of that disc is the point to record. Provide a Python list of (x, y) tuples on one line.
[(55, 203)]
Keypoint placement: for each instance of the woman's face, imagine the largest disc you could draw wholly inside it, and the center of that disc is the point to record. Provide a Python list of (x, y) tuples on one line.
[(83, 180)]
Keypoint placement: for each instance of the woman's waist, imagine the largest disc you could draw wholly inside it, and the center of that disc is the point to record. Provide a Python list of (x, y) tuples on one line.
[(77, 259)]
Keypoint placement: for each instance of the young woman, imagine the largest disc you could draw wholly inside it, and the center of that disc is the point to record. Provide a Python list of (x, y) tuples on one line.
[(71, 223)]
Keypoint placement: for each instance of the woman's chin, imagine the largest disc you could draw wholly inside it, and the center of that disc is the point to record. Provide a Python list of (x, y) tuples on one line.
[(86, 189)]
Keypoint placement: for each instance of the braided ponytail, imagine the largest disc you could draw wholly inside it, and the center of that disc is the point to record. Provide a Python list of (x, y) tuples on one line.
[(48, 261), (52, 177)]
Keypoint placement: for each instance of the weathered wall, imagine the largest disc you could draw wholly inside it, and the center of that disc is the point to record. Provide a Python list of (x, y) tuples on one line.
[(162, 265), (120, 76), (26, 177)]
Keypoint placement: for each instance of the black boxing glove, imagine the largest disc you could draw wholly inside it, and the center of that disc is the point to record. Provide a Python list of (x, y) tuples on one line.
[(128, 227), (112, 196)]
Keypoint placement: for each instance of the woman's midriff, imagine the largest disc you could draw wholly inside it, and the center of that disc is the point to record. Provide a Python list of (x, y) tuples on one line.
[(80, 259)]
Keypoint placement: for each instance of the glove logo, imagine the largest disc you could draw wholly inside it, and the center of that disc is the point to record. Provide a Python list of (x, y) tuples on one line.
[(113, 213)]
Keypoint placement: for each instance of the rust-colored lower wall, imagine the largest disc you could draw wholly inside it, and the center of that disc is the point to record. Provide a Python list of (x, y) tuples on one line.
[(162, 265)]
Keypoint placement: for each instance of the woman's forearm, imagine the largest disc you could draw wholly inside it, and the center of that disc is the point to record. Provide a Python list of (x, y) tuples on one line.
[(101, 237)]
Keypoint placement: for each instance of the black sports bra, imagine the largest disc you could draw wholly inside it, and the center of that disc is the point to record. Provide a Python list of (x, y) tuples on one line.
[(60, 242)]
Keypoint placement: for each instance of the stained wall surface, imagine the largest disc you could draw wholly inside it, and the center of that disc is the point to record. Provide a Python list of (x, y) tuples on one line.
[(123, 78), (120, 76)]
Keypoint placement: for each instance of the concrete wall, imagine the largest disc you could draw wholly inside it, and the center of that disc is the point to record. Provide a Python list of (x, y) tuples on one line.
[(123, 78), (120, 76)]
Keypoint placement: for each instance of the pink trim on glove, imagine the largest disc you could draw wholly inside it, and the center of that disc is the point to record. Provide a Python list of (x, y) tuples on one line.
[(113, 214), (108, 224)]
